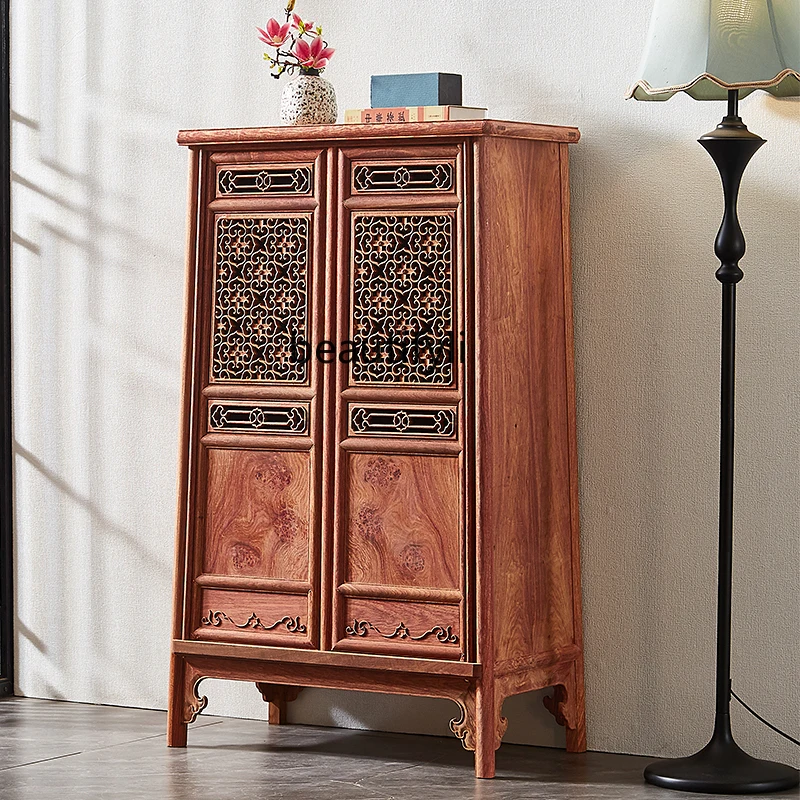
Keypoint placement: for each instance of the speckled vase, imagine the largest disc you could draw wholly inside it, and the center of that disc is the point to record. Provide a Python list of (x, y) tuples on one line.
[(308, 100)]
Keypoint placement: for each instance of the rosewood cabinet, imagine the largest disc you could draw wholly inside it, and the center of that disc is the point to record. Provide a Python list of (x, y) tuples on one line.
[(378, 463)]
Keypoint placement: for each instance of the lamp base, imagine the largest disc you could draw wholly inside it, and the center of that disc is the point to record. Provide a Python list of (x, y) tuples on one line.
[(722, 767)]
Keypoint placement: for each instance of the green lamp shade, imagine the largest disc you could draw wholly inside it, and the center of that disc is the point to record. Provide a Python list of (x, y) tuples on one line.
[(706, 47)]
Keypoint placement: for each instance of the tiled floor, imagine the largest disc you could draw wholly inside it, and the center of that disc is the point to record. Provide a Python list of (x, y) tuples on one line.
[(54, 750)]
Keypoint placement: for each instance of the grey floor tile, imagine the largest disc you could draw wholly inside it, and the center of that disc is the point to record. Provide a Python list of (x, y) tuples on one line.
[(102, 752)]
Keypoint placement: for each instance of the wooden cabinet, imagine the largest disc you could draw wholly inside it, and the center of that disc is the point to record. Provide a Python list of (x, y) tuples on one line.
[(378, 465)]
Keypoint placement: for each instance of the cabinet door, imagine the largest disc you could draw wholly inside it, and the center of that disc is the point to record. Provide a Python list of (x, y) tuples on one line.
[(400, 542), (257, 414)]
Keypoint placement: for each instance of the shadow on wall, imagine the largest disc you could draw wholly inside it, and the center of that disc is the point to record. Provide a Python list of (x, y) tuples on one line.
[(97, 301)]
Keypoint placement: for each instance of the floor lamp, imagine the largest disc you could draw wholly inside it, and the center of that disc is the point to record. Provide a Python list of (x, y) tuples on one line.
[(723, 50)]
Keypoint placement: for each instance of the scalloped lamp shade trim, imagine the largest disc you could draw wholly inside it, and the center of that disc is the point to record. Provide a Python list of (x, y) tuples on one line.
[(706, 47)]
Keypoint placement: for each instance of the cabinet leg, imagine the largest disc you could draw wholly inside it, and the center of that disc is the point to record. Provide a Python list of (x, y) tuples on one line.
[(278, 696), (480, 727), (184, 702), (567, 705), (176, 727)]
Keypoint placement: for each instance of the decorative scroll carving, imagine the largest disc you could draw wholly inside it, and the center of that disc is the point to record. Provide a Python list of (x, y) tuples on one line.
[(278, 696), (465, 727), (259, 417), (260, 299), (558, 705), (402, 299), (278, 692), (216, 618), (265, 180), (403, 177), (363, 628), (410, 421), (193, 702)]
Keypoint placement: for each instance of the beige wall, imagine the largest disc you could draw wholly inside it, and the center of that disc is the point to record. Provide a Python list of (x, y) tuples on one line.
[(100, 88)]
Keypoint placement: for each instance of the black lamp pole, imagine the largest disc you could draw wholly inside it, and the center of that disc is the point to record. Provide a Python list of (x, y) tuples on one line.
[(722, 766)]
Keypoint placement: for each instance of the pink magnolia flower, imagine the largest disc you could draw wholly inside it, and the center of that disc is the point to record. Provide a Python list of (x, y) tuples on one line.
[(275, 34), (314, 55), (303, 27)]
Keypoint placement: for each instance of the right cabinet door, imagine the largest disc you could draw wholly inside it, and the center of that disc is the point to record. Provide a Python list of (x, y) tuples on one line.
[(400, 544)]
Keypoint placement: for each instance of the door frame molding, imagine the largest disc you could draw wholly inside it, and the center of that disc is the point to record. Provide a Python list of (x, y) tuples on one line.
[(6, 433)]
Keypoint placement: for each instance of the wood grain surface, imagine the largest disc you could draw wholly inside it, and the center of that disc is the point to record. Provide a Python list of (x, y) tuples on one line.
[(523, 423), (289, 657), (403, 526), (258, 514), (410, 130)]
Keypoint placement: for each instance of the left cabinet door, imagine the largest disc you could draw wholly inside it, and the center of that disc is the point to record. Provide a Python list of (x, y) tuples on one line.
[(253, 523)]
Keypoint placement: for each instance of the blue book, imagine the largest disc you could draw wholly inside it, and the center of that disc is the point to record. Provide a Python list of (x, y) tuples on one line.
[(417, 89)]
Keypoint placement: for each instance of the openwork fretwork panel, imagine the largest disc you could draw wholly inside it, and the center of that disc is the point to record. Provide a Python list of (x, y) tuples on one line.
[(265, 180), (260, 299), (409, 177), (409, 421), (402, 299), (255, 417)]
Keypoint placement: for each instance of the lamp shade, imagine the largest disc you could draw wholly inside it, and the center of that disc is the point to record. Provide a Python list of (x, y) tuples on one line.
[(706, 47)]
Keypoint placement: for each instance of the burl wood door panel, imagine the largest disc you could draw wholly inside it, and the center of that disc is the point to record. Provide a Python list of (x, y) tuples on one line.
[(402, 525), (258, 514)]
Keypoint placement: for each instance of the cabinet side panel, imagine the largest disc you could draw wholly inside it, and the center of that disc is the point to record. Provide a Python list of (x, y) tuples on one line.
[(577, 593), (185, 423), (524, 515)]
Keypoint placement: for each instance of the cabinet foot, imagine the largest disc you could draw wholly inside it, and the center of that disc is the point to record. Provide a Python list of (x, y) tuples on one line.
[(184, 701), (480, 727), (567, 705), (278, 696)]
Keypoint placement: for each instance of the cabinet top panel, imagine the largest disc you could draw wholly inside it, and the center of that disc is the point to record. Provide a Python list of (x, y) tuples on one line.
[(404, 130)]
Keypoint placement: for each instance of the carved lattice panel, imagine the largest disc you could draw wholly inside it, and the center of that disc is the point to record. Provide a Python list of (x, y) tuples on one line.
[(230, 416), (265, 180), (410, 177), (409, 421), (261, 299), (403, 311)]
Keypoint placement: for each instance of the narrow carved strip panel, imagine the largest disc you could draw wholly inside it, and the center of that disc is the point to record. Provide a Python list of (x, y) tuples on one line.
[(403, 521), (363, 628), (410, 421), (265, 180), (245, 417), (220, 618), (225, 614), (403, 312), (260, 298), (400, 626), (410, 177), (258, 514)]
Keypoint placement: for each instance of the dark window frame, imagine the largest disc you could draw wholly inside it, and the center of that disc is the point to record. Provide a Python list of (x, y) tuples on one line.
[(6, 440)]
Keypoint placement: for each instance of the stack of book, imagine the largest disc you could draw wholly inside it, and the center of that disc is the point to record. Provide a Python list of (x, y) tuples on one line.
[(420, 97)]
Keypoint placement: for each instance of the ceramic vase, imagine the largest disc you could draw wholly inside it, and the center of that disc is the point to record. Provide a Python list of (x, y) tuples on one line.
[(308, 100)]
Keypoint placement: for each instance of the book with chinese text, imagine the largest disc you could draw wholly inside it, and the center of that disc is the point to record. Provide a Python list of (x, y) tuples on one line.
[(412, 114)]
